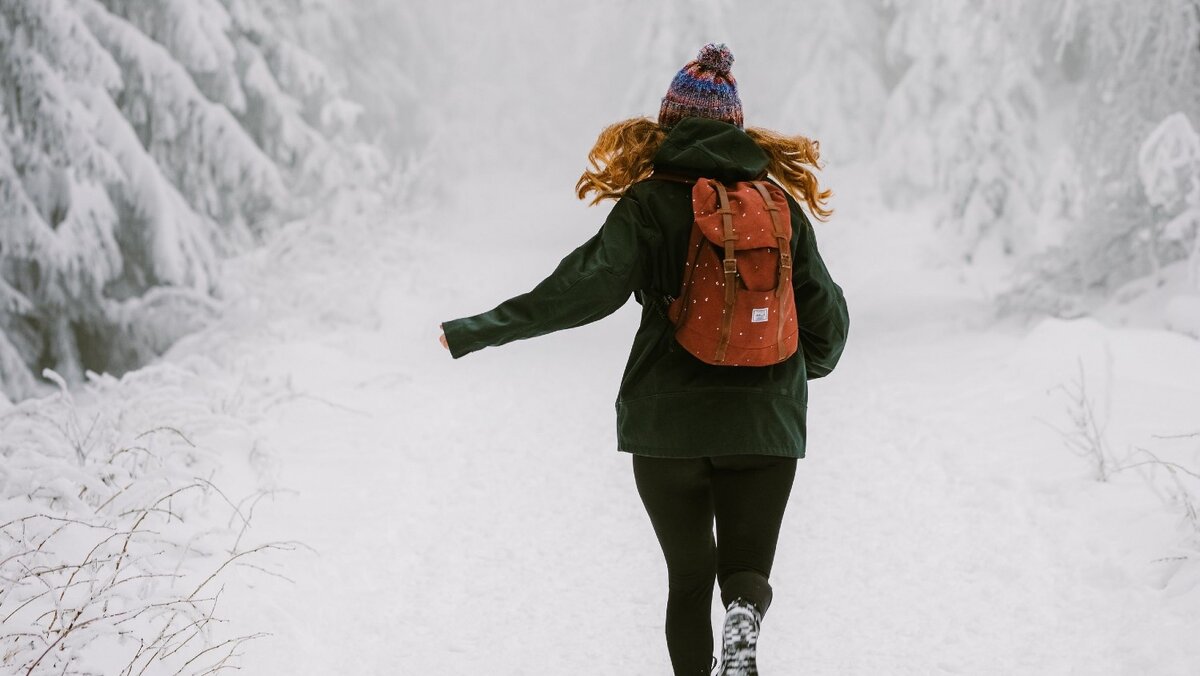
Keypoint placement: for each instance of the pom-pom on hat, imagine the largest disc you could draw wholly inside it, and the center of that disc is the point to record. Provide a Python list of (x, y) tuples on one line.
[(703, 88)]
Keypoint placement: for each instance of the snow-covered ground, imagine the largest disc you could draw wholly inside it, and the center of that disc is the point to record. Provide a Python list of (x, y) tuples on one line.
[(473, 517)]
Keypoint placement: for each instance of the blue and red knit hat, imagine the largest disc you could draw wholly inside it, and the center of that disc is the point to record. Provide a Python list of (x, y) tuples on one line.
[(703, 88)]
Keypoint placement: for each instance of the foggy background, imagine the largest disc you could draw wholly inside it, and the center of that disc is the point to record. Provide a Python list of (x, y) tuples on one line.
[(229, 229)]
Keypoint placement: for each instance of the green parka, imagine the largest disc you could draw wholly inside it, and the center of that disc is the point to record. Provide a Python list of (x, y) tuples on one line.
[(671, 404)]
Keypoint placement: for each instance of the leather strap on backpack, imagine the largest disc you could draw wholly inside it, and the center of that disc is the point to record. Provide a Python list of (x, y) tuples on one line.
[(730, 267), (784, 284)]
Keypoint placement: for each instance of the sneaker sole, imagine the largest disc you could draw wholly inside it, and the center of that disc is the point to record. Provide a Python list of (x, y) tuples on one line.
[(739, 653)]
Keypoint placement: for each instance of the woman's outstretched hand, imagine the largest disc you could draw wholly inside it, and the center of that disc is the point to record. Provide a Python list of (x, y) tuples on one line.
[(442, 339)]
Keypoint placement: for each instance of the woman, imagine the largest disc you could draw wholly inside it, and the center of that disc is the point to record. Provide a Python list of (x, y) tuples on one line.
[(709, 442)]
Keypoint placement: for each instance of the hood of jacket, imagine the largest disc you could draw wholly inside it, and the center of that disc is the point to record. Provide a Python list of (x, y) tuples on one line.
[(702, 147)]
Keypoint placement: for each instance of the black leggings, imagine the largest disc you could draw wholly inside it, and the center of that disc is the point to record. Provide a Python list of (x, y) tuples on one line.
[(747, 495)]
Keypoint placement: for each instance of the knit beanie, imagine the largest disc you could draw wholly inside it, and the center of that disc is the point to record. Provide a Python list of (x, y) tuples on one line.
[(703, 88)]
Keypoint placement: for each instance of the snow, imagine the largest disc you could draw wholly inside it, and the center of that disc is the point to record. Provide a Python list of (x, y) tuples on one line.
[(981, 496), (472, 516), (112, 531)]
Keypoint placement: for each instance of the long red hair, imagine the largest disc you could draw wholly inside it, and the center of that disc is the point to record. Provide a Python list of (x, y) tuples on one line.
[(624, 154)]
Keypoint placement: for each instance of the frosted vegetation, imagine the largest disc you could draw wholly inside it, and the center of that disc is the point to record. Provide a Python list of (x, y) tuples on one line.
[(142, 142), (116, 544), (144, 146), (175, 173), (127, 505), (1056, 141)]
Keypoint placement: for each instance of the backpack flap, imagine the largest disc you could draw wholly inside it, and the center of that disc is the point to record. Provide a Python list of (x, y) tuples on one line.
[(757, 242), (752, 222)]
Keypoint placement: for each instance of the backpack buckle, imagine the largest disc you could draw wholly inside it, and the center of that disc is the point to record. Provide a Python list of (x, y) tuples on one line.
[(730, 265)]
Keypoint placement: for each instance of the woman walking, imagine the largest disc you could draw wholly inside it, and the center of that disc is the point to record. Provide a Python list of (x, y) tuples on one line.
[(710, 440)]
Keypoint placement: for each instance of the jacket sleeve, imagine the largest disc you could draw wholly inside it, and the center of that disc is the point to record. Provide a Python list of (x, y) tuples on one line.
[(590, 283), (820, 304)]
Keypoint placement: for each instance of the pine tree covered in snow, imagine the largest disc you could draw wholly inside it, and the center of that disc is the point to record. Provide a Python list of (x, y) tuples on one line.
[(139, 142), (382, 34), (1169, 167), (961, 121), (1122, 69), (58, 240), (1026, 119), (247, 56)]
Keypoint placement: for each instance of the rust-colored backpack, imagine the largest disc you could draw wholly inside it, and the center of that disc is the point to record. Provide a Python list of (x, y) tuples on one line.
[(736, 306)]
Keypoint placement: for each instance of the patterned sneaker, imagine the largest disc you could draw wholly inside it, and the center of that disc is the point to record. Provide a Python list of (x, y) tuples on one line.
[(738, 653)]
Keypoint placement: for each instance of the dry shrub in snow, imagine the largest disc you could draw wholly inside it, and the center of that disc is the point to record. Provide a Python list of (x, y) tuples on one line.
[(1176, 483), (1179, 487), (1166, 470), (1086, 436), (115, 538)]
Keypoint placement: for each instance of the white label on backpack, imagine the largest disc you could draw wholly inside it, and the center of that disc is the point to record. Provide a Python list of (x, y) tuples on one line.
[(758, 314)]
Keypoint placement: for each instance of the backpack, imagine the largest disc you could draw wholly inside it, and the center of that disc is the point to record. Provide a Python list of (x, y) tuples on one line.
[(736, 306)]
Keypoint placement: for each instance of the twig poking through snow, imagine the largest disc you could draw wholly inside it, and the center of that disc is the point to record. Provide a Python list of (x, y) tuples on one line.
[(1086, 437), (107, 554)]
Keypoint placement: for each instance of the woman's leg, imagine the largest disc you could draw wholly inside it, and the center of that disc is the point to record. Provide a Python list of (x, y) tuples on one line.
[(750, 493), (678, 500)]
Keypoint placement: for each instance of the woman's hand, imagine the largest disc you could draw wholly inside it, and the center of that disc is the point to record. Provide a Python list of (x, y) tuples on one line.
[(442, 339)]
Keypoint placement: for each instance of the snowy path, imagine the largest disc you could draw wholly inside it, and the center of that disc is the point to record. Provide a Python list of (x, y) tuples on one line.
[(473, 517)]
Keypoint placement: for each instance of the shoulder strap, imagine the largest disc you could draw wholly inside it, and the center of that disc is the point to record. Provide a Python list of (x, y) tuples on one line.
[(784, 283), (729, 265)]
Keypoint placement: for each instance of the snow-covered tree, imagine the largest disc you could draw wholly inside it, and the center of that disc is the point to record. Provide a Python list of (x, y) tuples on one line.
[(1169, 167), (1025, 119), (1119, 70), (380, 35), (139, 142), (962, 119), (256, 58), (58, 245)]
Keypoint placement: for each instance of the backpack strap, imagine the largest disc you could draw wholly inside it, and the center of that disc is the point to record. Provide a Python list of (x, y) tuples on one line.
[(784, 285), (695, 245), (730, 267)]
